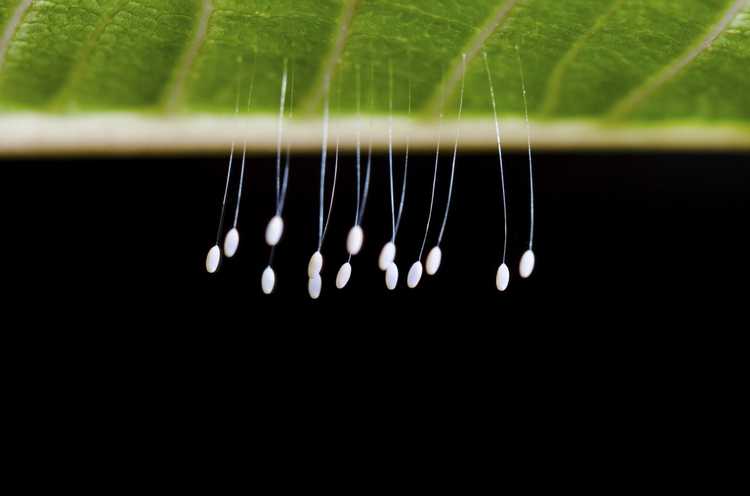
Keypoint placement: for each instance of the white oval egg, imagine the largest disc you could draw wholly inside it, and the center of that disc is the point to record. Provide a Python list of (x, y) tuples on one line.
[(268, 280), (354, 240), (212, 259), (274, 230), (432, 264), (414, 275), (526, 267), (345, 273), (387, 255), (391, 276), (502, 279), (315, 265), (231, 242), (314, 286)]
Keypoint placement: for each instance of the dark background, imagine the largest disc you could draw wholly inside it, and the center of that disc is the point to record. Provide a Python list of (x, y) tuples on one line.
[(637, 305), (636, 239)]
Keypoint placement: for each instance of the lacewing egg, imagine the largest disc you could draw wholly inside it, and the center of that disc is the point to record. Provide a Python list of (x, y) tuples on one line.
[(415, 275), (268, 280), (274, 230), (354, 240), (314, 286), (391, 276), (387, 255), (526, 267), (212, 259), (502, 279), (315, 265), (231, 242), (345, 273), (433, 260)]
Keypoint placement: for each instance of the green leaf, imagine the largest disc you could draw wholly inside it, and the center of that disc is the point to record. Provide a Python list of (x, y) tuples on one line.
[(161, 75)]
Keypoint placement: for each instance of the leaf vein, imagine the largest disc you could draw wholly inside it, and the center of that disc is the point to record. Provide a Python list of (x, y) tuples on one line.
[(175, 95), (493, 24), (554, 85), (651, 85), (75, 75), (11, 27), (330, 62)]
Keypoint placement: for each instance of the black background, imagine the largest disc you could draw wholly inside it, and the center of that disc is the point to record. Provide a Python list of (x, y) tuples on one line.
[(626, 237), (637, 301)]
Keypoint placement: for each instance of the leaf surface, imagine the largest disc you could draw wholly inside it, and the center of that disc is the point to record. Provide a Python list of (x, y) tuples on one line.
[(167, 74)]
